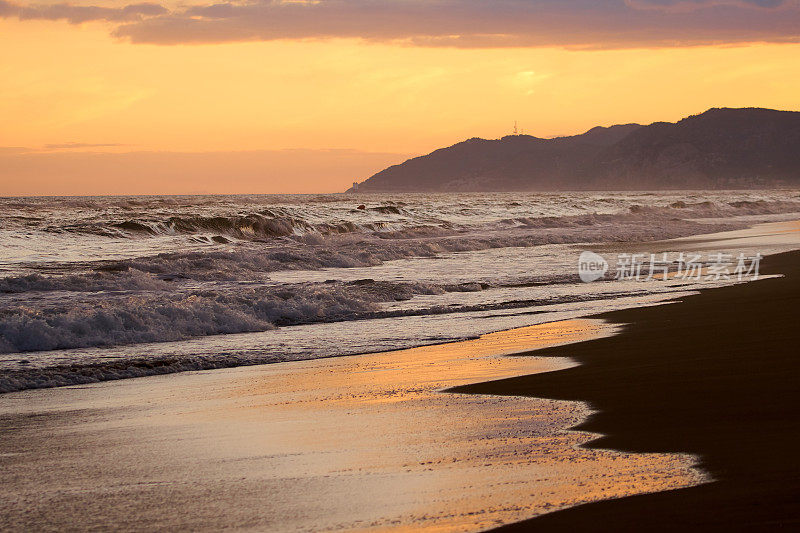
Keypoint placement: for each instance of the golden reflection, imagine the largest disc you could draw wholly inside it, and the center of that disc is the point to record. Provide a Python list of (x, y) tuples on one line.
[(353, 443)]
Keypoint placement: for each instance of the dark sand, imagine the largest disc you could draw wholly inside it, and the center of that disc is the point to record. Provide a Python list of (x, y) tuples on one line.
[(714, 375)]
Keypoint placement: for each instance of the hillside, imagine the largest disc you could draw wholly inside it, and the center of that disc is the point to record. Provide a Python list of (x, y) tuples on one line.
[(721, 148)]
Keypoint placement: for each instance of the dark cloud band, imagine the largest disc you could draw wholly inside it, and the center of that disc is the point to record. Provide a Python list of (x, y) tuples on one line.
[(456, 23), (77, 14)]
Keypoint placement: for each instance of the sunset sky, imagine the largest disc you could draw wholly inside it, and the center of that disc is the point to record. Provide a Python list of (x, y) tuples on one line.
[(308, 96)]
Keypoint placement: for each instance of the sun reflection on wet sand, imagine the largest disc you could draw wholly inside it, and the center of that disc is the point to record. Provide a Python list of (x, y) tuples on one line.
[(347, 443)]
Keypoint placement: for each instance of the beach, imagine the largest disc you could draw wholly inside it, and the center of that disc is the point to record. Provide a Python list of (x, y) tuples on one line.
[(363, 442), (713, 375), (368, 266), (649, 415)]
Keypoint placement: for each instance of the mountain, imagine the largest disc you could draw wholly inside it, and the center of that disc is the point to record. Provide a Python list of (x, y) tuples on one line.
[(721, 148)]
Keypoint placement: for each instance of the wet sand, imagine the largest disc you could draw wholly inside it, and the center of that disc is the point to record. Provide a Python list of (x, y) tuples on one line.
[(360, 442), (371, 442), (715, 375)]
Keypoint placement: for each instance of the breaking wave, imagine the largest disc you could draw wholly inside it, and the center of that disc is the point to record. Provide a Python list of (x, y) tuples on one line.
[(84, 273), (395, 220), (135, 316)]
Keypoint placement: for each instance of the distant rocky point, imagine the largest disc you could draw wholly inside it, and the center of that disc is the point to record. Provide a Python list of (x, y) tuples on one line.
[(721, 148)]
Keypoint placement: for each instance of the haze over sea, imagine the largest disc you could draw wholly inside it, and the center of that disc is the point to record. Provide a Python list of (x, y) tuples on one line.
[(98, 288)]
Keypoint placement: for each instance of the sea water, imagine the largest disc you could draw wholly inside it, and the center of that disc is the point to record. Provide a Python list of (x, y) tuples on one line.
[(97, 288)]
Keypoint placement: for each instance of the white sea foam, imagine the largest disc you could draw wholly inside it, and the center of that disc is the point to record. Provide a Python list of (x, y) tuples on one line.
[(103, 274)]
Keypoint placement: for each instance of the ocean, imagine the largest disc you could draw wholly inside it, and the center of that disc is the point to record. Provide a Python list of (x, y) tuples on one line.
[(99, 288)]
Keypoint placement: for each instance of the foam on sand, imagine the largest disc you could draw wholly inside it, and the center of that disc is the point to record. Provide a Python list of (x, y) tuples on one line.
[(352, 443)]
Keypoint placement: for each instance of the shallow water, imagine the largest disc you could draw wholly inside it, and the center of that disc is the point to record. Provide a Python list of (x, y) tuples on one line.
[(364, 442)]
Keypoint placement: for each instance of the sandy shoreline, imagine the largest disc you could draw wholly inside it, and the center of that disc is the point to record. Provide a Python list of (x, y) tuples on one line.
[(371, 442), (363, 442), (714, 375)]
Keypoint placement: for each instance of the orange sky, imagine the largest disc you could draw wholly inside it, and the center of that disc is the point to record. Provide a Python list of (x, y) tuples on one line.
[(314, 115)]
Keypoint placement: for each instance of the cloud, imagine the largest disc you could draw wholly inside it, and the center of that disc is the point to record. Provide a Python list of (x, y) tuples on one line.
[(454, 23), (76, 146), (699, 4), (77, 14), (13, 150)]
